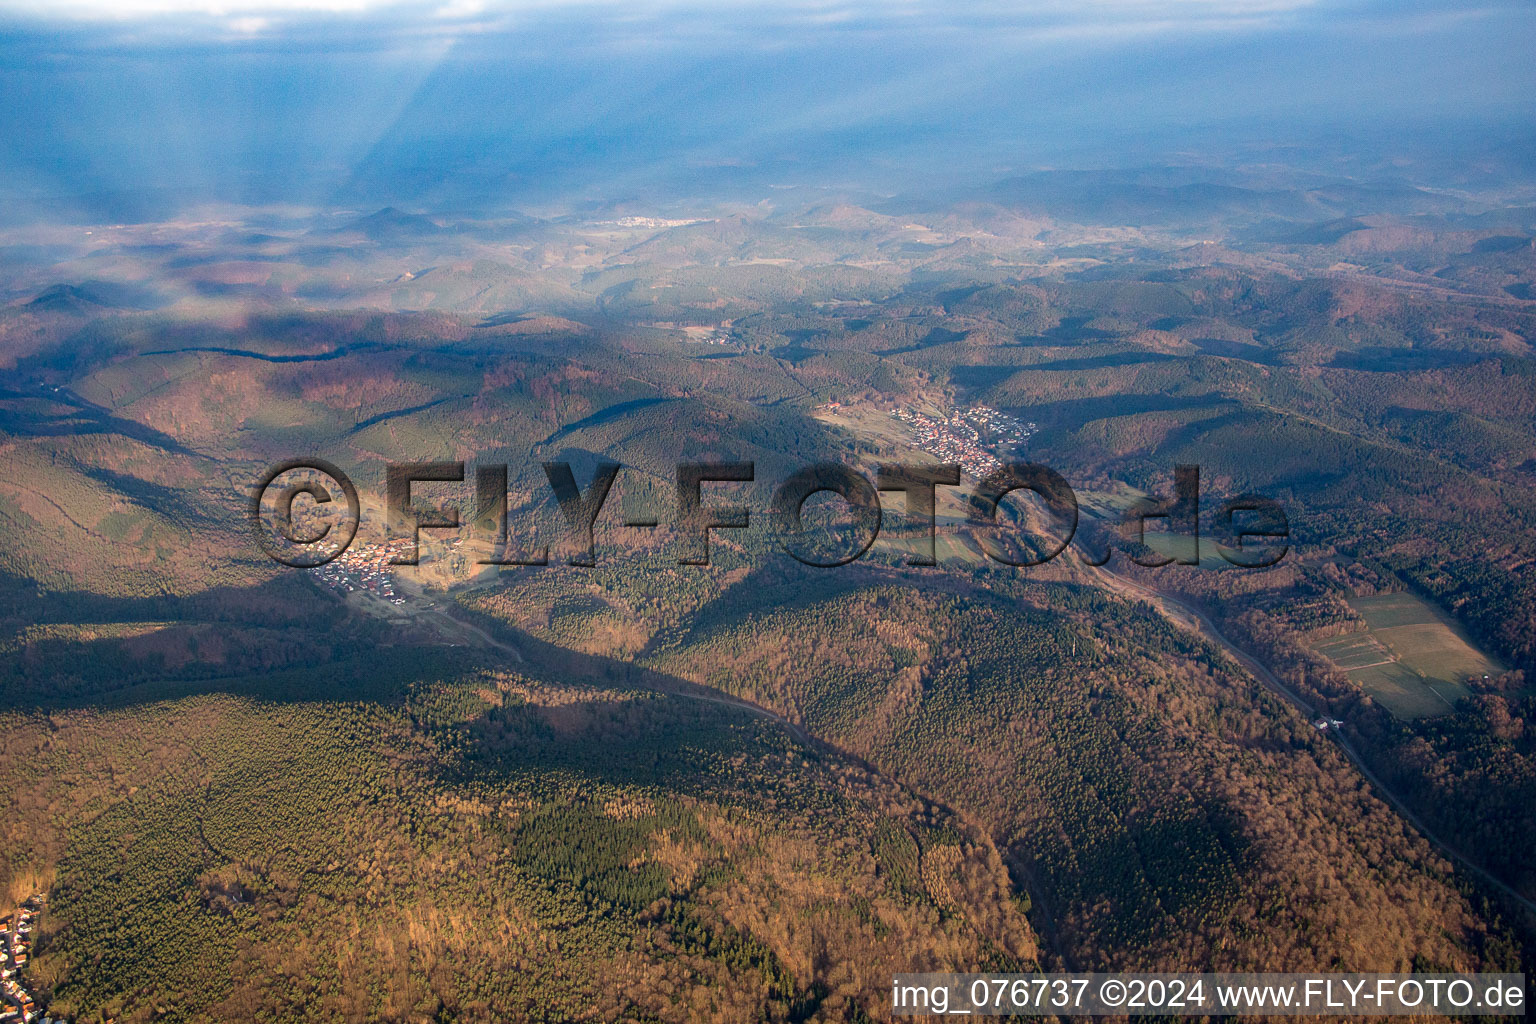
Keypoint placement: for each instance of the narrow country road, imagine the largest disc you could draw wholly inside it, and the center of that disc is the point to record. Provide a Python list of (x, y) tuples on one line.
[(1191, 617), (1177, 611), (505, 648)]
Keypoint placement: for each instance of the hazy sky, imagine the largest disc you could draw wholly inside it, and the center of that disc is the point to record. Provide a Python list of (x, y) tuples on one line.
[(460, 101)]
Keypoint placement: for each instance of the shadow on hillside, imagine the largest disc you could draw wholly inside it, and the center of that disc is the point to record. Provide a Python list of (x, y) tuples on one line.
[(283, 637), (1073, 413)]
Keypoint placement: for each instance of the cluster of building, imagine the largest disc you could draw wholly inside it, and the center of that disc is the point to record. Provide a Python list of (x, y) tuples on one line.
[(704, 334), (366, 568), (16, 943), (652, 223), (973, 437)]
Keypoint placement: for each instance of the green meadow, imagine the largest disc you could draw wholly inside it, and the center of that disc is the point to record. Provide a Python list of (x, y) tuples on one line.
[(1409, 658)]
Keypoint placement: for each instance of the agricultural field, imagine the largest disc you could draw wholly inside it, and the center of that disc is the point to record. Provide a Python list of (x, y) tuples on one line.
[(1410, 658), (1173, 545)]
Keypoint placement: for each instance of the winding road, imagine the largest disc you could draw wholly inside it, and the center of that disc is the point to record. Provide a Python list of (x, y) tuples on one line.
[(1182, 613), (1175, 610)]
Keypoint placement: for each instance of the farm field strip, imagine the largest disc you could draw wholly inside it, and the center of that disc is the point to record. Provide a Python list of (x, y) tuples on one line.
[(1409, 658)]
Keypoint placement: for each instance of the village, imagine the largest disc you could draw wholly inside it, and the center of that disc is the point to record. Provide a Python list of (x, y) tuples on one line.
[(16, 942), (365, 568), (973, 437)]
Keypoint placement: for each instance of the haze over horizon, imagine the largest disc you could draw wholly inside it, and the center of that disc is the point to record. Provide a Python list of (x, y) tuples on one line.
[(129, 112)]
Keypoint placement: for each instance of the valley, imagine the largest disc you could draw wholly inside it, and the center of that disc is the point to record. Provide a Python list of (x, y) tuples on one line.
[(469, 792)]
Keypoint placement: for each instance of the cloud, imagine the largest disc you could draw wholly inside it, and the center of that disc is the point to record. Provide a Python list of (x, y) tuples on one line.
[(128, 10), (1041, 16), (632, 24)]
